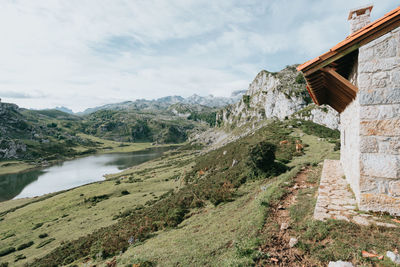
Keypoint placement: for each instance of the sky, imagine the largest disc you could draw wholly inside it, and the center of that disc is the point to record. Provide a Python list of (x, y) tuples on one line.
[(85, 53)]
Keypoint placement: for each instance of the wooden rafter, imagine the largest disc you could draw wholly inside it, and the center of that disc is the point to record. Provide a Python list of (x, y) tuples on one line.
[(340, 90)]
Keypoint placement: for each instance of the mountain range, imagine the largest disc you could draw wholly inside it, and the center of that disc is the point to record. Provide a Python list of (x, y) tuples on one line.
[(163, 103)]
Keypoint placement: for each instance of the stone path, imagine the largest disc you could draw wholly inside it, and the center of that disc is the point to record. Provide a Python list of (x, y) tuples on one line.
[(336, 200)]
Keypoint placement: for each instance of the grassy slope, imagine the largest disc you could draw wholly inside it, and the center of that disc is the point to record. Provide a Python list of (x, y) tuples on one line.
[(233, 246), (227, 234), (66, 216)]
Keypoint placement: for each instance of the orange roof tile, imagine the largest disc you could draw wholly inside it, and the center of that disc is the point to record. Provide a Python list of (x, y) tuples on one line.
[(355, 38)]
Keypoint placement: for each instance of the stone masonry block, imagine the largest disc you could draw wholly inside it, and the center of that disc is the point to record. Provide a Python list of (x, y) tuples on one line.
[(364, 81), (386, 48), (379, 112), (394, 188), (395, 78), (380, 202), (368, 184), (379, 64), (394, 146), (388, 145), (368, 144), (389, 127), (365, 54), (379, 96), (380, 165), (369, 112), (380, 80)]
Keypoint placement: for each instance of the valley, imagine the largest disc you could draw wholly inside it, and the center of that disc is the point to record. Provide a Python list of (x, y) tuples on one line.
[(236, 173)]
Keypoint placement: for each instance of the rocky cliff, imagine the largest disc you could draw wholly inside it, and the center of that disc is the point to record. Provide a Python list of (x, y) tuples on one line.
[(279, 95)]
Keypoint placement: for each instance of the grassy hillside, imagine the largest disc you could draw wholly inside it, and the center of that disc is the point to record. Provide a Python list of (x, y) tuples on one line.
[(36, 136), (208, 183), (133, 126), (192, 209)]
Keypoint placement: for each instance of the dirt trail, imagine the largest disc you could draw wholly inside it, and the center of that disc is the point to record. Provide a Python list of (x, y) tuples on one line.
[(277, 243)]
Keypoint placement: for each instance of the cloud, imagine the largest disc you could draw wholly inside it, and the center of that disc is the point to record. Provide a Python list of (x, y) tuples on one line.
[(81, 53), (20, 95)]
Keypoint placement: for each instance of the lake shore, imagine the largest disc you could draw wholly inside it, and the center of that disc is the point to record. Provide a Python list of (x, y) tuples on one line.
[(106, 147)]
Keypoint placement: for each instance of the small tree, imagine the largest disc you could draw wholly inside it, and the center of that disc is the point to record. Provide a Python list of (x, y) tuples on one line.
[(262, 156)]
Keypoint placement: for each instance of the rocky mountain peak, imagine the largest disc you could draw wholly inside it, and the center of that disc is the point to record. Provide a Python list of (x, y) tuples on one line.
[(275, 95)]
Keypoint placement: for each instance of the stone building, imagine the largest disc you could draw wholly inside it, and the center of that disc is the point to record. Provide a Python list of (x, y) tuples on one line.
[(360, 78)]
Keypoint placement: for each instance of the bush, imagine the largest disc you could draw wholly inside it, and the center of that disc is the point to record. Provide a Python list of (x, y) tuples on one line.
[(45, 242), (125, 192), (7, 251), (262, 155), (52, 125), (246, 100), (19, 257), (25, 245), (38, 225), (300, 79), (43, 235)]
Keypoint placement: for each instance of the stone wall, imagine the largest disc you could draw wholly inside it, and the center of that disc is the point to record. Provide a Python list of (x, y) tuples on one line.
[(350, 140), (379, 127)]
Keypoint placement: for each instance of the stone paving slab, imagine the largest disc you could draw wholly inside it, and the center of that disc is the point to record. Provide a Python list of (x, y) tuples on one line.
[(337, 201)]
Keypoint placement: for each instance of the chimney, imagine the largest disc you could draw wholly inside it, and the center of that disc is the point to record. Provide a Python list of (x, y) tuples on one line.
[(359, 18)]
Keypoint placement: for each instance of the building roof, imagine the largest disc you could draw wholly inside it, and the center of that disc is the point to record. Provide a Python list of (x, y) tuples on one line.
[(339, 59)]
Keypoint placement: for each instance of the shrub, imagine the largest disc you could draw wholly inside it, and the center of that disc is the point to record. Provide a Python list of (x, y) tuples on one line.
[(25, 245), (262, 155), (300, 79), (125, 192), (246, 100), (45, 242), (337, 146), (52, 125), (43, 235), (8, 236), (96, 199), (19, 257), (7, 251), (38, 225)]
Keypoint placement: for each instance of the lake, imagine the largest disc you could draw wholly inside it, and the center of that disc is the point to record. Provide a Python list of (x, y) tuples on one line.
[(70, 174)]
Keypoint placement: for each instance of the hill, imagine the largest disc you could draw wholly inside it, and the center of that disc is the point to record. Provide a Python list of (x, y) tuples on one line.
[(30, 134), (276, 95), (53, 134), (131, 126)]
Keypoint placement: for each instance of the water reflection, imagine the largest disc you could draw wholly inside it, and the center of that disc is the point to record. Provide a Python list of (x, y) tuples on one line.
[(12, 184), (70, 174)]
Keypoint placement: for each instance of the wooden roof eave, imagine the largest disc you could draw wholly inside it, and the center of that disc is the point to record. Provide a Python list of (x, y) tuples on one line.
[(370, 32)]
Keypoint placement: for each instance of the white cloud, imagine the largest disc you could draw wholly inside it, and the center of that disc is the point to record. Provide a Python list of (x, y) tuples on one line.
[(90, 52)]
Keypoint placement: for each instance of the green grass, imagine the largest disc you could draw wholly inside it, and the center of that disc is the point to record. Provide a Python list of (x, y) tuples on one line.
[(335, 240), (14, 166), (226, 234), (210, 210), (108, 146), (83, 217)]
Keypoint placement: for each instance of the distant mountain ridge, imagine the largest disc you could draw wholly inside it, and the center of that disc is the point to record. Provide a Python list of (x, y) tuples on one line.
[(164, 103)]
